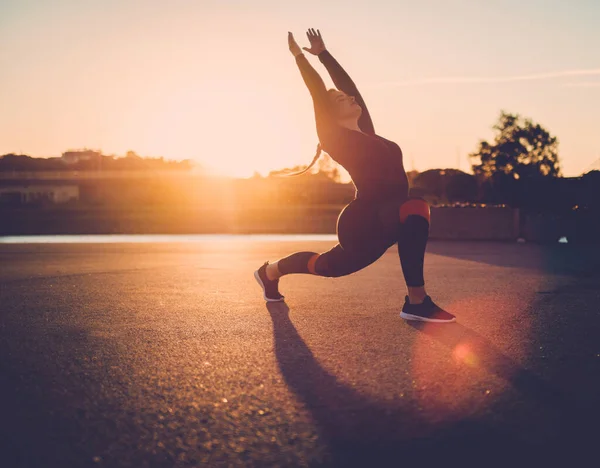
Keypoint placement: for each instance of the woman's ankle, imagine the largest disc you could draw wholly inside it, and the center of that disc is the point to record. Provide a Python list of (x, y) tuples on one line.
[(273, 272), (416, 294)]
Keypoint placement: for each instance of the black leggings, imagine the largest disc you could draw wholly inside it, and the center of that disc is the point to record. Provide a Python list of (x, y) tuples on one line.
[(366, 230)]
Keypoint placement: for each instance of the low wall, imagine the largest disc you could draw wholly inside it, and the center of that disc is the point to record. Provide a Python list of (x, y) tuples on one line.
[(474, 223), (580, 226), (169, 220), (446, 222)]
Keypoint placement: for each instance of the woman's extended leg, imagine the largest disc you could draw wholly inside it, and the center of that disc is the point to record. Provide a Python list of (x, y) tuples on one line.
[(362, 242), (333, 264), (412, 242)]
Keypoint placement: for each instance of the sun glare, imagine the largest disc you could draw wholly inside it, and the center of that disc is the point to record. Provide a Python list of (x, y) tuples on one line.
[(233, 131)]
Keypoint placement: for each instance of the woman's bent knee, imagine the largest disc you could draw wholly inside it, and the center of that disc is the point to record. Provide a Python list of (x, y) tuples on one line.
[(415, 207)]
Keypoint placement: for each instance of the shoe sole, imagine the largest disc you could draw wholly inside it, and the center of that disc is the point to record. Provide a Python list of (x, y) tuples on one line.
[(418, 318), (259, 281)]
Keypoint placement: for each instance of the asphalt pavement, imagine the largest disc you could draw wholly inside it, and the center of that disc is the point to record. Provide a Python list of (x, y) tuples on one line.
[(166, 355)]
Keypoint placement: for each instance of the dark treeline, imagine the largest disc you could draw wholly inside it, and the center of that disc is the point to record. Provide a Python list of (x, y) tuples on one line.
[(540, 194), (438, 186), (89, 160)]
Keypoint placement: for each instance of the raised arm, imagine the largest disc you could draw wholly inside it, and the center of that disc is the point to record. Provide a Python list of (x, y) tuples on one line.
[(340, 78), (344, 83), (325, 122)]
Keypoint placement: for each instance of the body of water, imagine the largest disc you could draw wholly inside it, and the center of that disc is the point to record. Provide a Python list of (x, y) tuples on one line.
[(161, 238)]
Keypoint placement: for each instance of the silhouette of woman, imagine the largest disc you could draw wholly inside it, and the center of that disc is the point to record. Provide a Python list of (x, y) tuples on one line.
[(381, 214)]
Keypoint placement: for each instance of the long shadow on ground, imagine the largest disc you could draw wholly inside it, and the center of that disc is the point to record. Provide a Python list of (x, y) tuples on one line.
[(360, 431), (564, 259)]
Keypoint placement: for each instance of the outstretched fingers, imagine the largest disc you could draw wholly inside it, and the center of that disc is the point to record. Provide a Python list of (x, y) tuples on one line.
[(311, 33), (316, 41)]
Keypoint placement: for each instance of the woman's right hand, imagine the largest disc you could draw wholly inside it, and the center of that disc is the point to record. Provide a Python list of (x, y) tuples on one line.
[(317, 45), (293, 45)]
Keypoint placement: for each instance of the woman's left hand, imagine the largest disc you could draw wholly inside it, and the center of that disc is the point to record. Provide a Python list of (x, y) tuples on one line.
[(293, 45)]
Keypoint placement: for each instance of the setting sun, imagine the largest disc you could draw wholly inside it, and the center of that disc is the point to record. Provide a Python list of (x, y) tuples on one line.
[(238, 129)]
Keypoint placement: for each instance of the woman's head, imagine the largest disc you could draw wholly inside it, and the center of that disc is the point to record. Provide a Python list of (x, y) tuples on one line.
[(345, 109), (344, 106)]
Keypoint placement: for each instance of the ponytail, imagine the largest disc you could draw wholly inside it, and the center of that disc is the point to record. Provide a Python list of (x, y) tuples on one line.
[(317, 155)]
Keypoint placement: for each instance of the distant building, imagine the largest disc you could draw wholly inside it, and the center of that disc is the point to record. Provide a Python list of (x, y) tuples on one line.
[(73, 157), (28, 194)]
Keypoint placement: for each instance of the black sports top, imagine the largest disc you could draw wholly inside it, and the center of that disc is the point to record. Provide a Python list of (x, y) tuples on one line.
[(374, 163)]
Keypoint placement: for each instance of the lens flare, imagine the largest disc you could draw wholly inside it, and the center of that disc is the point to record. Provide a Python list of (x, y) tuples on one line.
[(459, 367), (464, 354)]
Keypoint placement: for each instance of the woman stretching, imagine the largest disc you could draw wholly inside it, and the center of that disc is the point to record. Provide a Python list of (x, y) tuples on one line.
[(381, 214)]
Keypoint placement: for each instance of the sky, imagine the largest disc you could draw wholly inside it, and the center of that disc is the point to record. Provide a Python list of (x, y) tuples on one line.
[(214, 81)]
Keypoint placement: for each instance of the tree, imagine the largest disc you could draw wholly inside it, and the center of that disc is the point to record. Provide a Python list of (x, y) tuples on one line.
[(521, 149), (461, 187), (430, 183), (445, 185)]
